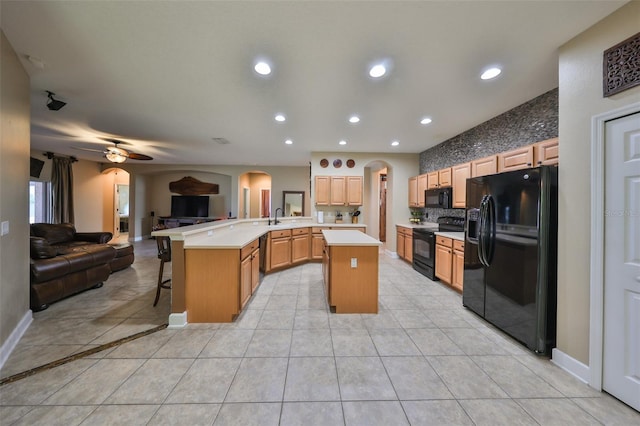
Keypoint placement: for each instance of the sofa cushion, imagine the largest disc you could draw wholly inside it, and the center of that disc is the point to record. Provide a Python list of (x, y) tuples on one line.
[(41, 249), (54, 233)]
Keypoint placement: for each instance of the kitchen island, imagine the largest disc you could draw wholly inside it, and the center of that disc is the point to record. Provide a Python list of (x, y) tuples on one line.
[(350, 271)]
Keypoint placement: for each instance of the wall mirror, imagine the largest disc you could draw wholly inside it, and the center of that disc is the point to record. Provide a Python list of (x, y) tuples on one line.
[(293, 203)]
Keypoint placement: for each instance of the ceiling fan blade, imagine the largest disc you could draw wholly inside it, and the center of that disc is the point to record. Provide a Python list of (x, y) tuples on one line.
[(136, 156), (88, 149)]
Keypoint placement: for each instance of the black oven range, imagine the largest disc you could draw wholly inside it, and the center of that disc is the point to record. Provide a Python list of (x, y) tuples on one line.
[(424, 244)]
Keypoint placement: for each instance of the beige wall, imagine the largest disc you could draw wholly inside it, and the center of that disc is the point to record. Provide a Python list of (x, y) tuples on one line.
[(14, 194), (580, 98)]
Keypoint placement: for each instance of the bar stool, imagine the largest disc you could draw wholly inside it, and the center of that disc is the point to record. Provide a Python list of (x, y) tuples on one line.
[(164, 254)]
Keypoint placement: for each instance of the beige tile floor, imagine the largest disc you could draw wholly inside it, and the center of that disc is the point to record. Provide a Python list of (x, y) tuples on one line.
[(423, 360)]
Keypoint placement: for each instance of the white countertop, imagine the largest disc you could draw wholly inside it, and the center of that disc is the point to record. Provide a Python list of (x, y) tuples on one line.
[(235, 234), (423, 225), (349, 238), (453, 235)]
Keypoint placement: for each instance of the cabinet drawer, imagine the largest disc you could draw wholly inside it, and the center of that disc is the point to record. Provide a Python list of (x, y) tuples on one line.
[(318, 229), (281, 234), (458, 245), (444, 241), (300, 231), (404, 231), (248, 249)]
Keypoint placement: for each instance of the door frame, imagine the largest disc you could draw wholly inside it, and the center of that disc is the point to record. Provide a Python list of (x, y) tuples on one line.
[(596, 272)]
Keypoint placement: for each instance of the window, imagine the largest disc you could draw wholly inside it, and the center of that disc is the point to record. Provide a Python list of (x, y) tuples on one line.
[(39, 202)]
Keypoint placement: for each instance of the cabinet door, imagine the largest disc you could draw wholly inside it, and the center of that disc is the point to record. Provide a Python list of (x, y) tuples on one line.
[(245, 281), (444, 177), (458, 269), (338, 191), (413, 191), (423, 184), (255, 270), (433, 180), (316, 246), (408, 248), (322, 190), (400, 244), (520, 158), (484, 166), (443, 263), (300, 248), (326, 271), (546, 152), (354, 190), (460, 174), (280, 252)]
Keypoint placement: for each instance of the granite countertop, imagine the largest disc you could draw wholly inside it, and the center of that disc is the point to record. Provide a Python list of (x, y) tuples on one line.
[(449, 234), (349, 238)]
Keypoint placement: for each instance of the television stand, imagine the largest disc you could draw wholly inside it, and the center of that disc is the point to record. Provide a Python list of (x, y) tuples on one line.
[(175, 222)]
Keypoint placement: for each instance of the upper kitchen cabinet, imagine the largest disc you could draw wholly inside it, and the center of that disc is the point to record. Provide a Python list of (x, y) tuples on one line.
[(423, 183), (413, 191), (484, 166), (338, 190), (546, 152), (460, 174), (439, 178), (516, 159)]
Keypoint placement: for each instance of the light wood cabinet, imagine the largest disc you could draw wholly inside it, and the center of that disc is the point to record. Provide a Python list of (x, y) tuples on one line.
[(413, 191), (546, 153), (439, 178), (255, 270), (404, 243), (245, 281), (458, 265), (484, 166), (249, 271), (338, 190), (317, 241), (516, 159), (323, 189), (460, 174), (444, 256), (433, 180), (279, 249), (423, 184), (300, 244)]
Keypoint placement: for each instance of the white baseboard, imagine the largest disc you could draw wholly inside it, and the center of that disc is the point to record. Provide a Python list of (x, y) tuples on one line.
[(177, 320), (391, 254), (10, 344), (571, 365)]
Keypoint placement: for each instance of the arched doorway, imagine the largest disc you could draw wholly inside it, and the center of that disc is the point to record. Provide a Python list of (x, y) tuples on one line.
[(254, 189)]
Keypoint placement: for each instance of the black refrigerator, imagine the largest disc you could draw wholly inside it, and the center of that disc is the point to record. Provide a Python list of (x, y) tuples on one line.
[(510, 255)]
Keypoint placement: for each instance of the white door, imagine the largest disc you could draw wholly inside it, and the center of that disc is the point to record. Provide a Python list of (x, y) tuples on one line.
[(621, 357)]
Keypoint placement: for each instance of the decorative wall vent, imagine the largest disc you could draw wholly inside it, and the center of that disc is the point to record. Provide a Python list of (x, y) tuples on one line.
[(621, 66)]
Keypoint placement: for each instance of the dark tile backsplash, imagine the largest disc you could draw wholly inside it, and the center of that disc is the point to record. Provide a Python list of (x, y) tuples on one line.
[(530, 122)]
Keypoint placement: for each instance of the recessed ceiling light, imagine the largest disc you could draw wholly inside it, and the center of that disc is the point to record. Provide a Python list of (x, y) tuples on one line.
[(395, 143), (377, 71), (425, 120), (343, 142), (280, 118), (490, 73), (262, 68), (354, 119), (288, 142)]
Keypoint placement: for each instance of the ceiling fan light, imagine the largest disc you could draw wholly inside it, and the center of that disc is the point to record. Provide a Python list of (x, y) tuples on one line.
[(116, 155)]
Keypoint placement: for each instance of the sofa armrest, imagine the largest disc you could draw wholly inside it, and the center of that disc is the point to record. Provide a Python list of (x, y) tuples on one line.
[(94, 237)]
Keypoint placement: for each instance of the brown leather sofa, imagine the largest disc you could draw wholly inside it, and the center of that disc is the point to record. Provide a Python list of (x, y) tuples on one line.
[(65, 262)]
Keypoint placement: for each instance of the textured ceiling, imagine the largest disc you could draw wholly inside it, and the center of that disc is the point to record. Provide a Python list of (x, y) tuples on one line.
[(169, 76)]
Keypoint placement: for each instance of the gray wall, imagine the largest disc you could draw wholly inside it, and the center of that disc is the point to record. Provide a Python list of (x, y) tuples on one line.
[(530, 122)]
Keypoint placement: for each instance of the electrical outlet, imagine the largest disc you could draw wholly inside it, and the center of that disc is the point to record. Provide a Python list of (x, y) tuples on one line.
[(5, 227), (354, 262), (209, 233)]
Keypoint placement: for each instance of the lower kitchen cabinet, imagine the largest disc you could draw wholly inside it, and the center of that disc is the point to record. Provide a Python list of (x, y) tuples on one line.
[(444, 257), (279, 249), (458, 265), (404, 243), (300, 244)]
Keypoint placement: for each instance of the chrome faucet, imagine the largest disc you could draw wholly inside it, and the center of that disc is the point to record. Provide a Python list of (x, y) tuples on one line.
[(275, 221)]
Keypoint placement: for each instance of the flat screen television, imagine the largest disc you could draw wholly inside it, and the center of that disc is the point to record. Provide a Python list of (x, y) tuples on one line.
[(189, 206)]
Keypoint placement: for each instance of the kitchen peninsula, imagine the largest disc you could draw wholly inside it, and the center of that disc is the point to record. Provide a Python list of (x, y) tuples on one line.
[(216, 266)]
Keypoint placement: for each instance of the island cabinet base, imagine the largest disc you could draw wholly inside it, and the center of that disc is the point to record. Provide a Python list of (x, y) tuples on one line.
[(212, 285), (352, 285)]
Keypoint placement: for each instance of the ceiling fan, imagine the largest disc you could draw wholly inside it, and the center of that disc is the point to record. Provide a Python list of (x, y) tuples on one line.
[(115, 154)]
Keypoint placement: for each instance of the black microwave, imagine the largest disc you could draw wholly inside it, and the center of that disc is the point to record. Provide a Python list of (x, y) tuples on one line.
[(440, 198)]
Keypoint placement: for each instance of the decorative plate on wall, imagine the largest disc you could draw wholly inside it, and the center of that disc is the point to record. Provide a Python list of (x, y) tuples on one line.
[(337, 163), (324, 163), (350, 163)]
